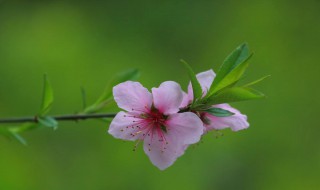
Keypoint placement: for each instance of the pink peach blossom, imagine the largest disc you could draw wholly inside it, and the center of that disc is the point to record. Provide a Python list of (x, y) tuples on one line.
[(236, 122), (154, 119)]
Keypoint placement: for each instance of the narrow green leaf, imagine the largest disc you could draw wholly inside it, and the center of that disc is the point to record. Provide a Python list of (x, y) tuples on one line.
[(22, 127), (256, 81), (19, 138), (47, 98), (233, 59), (235, 94), (218, 112), (48, 122), (12, 134), (236, 57), (232, 77), (131, 74), (196, 87)]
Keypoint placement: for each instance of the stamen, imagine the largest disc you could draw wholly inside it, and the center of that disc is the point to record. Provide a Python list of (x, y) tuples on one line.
[(143, 110), (136, 145)]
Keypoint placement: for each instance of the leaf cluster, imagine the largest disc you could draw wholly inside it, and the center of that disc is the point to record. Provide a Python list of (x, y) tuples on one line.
[(223, 88)]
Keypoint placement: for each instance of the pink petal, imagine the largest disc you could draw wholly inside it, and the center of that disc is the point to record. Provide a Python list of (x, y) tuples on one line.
[(186, 127), (160, 154), (168, 97), (236, 122), (182, 129), (205, 79), (132, 96), (125, 126), (185, 100)]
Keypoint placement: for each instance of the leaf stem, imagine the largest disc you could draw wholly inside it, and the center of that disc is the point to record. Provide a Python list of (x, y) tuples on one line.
[(74, 117)]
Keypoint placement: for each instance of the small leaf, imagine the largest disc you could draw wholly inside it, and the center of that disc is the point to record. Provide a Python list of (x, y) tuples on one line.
[(257, 81), (19, 138), (11, 133), (48, 122), (47, 98), (232, 77), (23, 127), (235, 94), (239, 55), (196, 87), (131, 74), (218, 112), (234, 58)]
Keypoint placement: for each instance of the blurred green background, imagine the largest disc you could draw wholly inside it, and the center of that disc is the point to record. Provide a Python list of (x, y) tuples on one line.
[(84, 43)]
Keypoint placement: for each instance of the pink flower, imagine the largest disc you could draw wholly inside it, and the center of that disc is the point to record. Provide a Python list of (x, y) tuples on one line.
[(236, 122), (154, 118)]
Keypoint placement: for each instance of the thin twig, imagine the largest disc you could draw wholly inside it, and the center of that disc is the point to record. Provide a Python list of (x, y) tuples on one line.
[(74, 117)]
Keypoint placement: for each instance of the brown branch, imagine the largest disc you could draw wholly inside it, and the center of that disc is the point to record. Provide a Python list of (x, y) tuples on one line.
[(74, 117)]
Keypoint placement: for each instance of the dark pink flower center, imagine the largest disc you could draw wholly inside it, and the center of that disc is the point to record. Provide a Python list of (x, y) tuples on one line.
[(151, 123)]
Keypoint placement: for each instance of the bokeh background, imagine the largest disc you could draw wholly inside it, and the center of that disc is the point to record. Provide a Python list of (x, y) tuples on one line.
[(84, 43)]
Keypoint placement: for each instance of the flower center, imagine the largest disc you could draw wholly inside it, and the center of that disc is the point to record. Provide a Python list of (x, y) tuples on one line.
[(156, 118), (150, 123)]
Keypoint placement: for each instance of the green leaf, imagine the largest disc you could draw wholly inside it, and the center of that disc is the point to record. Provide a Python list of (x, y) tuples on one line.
[(226, 74), (232, 77), (19, 138), (234, 59), (196, 87), (131, 74), (47, 98), (235, 94), (48, 122), (257, 81), (23, 127), (218, 112), (11, 133)]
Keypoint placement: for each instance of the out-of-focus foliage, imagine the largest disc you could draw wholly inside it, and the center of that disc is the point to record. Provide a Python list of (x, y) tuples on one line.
[(84, 43)]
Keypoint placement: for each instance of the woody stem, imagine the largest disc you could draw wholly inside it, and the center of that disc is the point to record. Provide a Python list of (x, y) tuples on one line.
[(74, 117)]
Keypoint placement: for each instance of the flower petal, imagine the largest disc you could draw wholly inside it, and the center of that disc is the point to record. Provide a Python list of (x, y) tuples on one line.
[(205, 79), (132, 96), (161, 154), (127, 126), (186, 127), (236, 122), (168, 97), (185, 100), (182, 129)]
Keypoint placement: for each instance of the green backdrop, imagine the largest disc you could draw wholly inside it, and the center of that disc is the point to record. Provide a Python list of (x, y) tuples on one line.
[(84, 43)]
